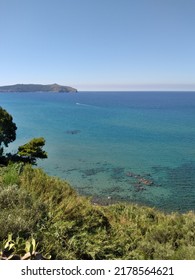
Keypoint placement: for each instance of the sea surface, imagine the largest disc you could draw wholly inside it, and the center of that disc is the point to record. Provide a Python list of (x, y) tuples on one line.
[(114, 146)]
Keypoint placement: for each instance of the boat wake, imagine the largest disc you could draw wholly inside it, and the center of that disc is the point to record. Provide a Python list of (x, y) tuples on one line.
[(83, 104)]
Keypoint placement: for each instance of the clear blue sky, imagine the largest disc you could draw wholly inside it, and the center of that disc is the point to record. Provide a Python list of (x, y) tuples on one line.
[(99, 44)]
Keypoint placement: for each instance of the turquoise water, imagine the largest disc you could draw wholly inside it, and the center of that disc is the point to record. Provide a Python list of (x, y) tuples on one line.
[(129, 146)]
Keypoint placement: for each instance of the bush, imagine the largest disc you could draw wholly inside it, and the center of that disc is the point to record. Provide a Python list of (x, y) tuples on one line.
[(19, 212), (11, 175)]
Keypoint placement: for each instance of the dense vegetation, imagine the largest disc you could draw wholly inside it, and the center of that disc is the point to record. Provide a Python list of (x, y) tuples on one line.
[(68, 226)]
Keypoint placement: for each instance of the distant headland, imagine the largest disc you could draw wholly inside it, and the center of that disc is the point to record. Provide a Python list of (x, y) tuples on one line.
[(37, 88)]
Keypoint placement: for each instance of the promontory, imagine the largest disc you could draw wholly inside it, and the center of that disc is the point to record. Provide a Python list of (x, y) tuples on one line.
[(37, 88)]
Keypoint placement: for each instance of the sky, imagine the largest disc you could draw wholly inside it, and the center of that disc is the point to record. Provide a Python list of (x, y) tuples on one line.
[(99, 44)]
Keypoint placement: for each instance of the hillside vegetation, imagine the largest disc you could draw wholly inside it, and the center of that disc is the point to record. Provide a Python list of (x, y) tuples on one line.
[(68, 226)]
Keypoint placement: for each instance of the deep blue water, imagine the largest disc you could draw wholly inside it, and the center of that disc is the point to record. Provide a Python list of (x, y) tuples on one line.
[(129, 146)]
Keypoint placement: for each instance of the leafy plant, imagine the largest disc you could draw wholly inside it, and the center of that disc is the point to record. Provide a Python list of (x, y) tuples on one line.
[(33, 150), (19, 249), (7, 129)]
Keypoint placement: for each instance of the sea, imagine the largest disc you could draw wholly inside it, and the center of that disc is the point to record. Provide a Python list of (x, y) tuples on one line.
[(114, 146)]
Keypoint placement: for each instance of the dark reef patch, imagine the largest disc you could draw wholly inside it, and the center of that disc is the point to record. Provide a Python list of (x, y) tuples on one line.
[(93, 171), (117, 173), (76, 131)]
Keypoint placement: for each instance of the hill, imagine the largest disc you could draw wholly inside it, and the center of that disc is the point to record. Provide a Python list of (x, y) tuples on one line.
[(37, 88)]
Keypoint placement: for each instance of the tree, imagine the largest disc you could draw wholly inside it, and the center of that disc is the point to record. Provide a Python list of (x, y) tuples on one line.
[(33, 150), (7, 129), (29, 152)]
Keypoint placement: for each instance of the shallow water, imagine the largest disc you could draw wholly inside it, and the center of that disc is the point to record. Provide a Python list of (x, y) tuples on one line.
[(132, 146)]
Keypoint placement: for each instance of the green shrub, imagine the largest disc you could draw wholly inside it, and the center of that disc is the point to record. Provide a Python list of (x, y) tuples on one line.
[(19, 213), (11, 175)]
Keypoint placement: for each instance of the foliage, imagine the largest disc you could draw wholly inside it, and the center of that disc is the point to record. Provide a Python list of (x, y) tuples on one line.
[(11, 174), (33, 150), (20, 249), (28, 152), (7, 129), (69, 226), (19, 211)]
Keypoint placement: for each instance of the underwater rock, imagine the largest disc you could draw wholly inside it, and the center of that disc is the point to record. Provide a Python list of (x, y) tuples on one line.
[(138, 187), (130, 174), (117, 173), (133, 175), (146, 182), (93, 171), (76, 131), (142, 179)]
